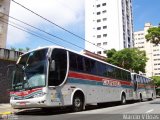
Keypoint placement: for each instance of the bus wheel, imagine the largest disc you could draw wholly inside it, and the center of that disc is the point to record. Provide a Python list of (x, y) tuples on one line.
[(151, 97), (123, 99), (141, 99), (77, 103)]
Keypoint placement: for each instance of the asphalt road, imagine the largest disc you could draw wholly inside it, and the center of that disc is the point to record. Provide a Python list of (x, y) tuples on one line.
[(148, 110)]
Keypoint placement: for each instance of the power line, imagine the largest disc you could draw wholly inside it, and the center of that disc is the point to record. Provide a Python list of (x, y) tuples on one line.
[(56, 24), (29, 32), (42, 31)]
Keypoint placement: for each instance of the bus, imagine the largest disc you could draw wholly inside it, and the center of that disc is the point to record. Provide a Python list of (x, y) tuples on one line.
[(144, 88), (56, 77)]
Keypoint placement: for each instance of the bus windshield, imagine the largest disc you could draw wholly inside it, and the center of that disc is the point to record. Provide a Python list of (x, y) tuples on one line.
[(30, 71)]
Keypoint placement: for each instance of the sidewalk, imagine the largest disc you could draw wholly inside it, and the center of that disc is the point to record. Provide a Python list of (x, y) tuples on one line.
[(6, 109)]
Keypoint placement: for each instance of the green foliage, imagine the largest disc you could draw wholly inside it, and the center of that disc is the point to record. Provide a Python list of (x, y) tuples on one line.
[(27, 49), (153, 35), (12, 48), (110, 53), (156, 80), (20, 49), (128, 58)]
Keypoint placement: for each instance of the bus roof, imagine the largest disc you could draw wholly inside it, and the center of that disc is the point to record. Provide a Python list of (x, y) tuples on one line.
[(52, 47)]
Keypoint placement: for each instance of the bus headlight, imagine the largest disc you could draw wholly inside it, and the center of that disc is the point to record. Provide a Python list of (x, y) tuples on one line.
[(39, 95)]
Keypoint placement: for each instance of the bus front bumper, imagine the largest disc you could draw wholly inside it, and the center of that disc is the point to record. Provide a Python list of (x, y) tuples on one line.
[(28, 103)]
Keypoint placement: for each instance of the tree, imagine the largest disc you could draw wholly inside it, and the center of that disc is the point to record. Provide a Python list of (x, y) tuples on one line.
[(13, 48), (156, 80), (20, 49), (129, 58), (153, 35), (27, 49), (110, 53)]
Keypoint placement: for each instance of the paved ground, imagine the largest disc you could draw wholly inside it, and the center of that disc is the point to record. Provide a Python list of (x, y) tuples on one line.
[(6, 109), (147, 110)]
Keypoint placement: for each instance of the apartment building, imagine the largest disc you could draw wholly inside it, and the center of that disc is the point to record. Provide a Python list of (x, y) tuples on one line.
[(108, 24), (152, 51), (4, 8)]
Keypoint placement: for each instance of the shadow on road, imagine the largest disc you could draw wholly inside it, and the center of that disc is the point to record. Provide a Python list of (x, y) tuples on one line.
[(57, 111), (155, 102), (42, 112)]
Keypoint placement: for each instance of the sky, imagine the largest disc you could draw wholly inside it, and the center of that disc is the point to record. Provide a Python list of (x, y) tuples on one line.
[(69, 14), (145, 11)]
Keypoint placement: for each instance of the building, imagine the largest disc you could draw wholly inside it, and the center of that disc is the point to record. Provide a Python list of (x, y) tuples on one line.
[(4, 8), (108, 24), (91, 54), (152, 51)]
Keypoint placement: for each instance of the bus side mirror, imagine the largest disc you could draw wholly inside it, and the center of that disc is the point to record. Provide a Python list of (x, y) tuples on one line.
[(53, 66)]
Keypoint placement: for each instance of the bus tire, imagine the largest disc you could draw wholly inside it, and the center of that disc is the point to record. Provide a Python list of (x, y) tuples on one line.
[(77, 103), (151, 97), (123, 99), (140, 98)]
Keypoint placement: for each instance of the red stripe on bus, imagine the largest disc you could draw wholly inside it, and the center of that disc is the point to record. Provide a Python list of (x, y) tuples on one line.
[(24, 93), (85, 76)]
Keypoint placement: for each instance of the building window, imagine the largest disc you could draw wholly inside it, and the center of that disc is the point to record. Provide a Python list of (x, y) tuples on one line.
[(140, 46), (98, 36), (104, 19), (104, 35), (99, 52), (98, 44), (98, 28), (98, 5), (103, 4), (98, 13), (157, 73), (104, 27), (99, 20), (104, 11), (104, 43)]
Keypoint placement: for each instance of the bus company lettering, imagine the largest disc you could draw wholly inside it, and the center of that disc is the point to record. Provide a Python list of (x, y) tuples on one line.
[(111, 82)]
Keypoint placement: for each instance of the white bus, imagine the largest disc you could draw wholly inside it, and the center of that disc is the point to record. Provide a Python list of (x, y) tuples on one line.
[(144, 88), (57, 77)]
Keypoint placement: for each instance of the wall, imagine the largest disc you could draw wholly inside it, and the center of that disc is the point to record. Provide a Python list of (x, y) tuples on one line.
[(6, 57), (4, 84)]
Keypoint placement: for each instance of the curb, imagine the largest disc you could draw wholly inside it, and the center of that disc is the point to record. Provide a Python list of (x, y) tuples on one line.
[(6, 113)]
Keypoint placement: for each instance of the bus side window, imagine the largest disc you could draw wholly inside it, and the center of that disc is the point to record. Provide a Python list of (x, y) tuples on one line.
[(129, 76), (124, 75), (73, 61), (100, 69), (110, 70), (80, 65), (93, 67), (57, 76), (87, 65), (118, 73)]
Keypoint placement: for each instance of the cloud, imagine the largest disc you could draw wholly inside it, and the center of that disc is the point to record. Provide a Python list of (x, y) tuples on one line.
[(61, 12)]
